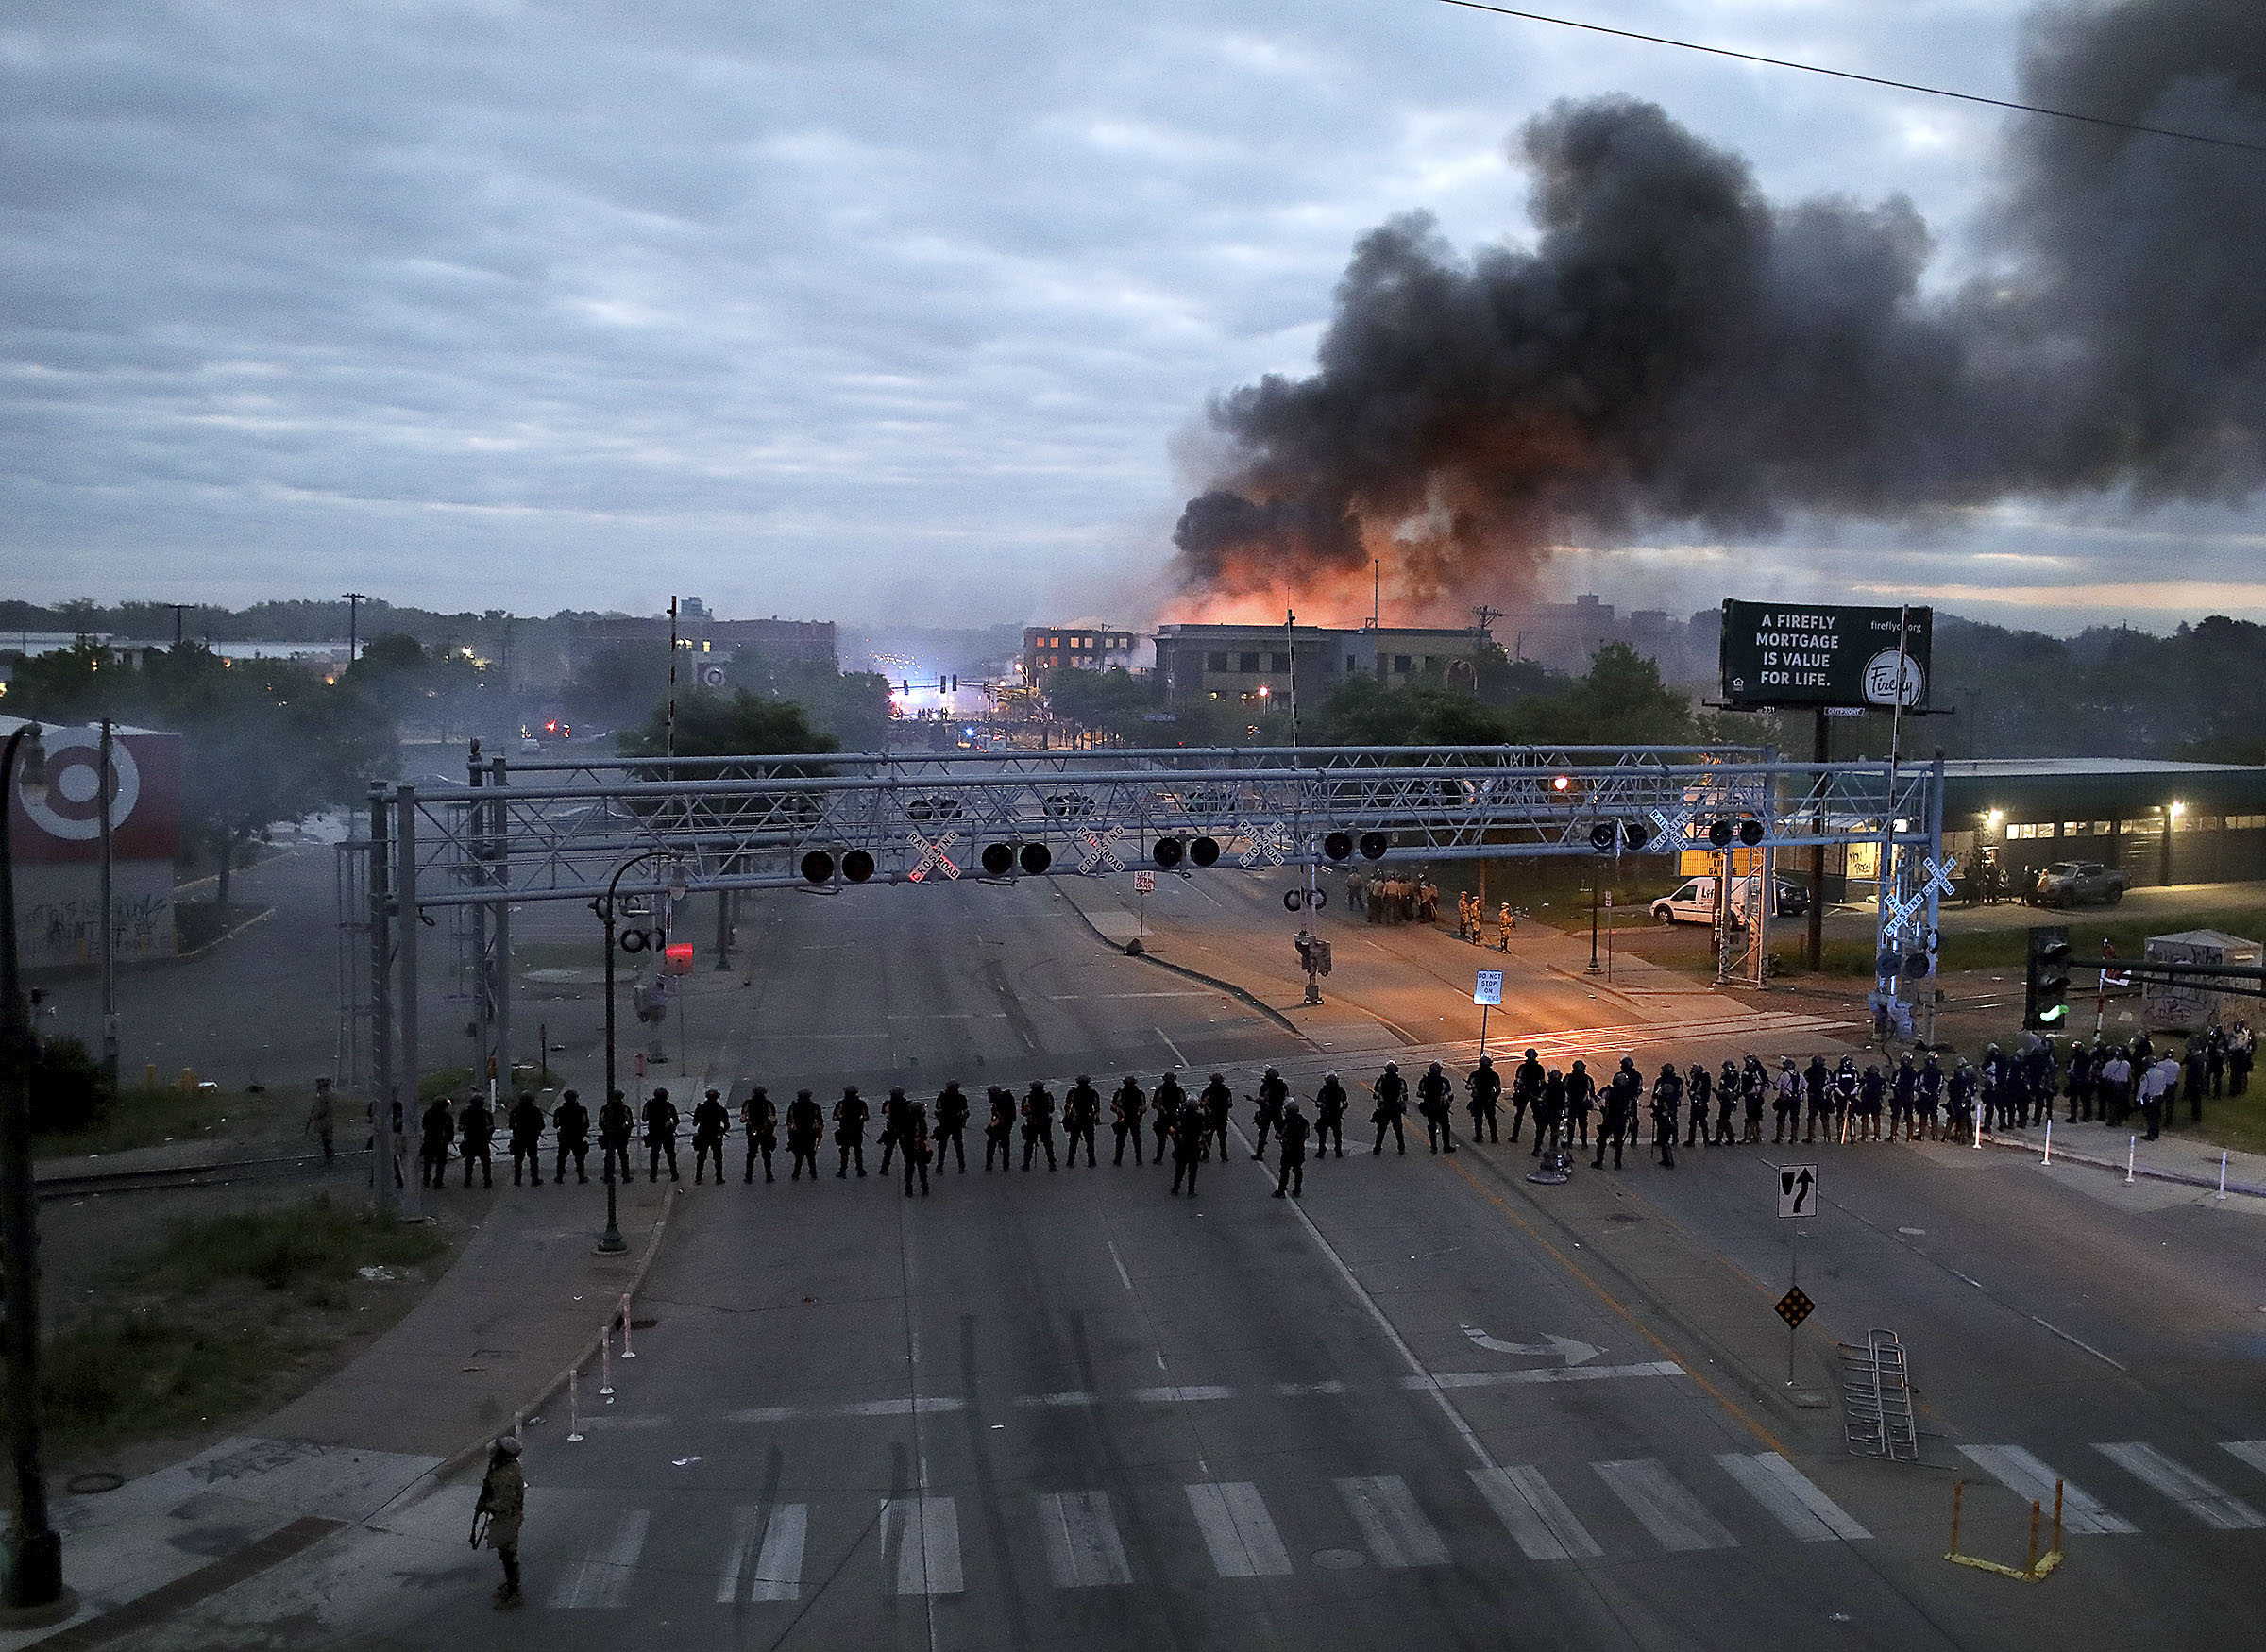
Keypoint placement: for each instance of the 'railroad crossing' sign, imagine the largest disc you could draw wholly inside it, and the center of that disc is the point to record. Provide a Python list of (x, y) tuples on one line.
[(1794, 1307), (1096, 848), (933, 858)]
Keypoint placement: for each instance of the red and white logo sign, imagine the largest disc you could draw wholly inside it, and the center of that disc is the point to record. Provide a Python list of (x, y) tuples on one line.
[(63, 822)]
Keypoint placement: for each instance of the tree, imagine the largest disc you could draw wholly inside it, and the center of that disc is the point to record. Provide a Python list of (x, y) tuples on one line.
[(733, 725)]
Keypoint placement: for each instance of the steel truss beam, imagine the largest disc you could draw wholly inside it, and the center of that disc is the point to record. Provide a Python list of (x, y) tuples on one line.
[(747, 823)]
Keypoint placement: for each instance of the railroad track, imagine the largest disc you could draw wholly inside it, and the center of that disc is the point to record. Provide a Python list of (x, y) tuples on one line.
[(194, 1176)]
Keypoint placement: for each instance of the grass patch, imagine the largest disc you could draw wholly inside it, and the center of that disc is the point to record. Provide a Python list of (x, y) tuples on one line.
[(149, 1117), (215, 1321), (299, 1244), (445, 1081)]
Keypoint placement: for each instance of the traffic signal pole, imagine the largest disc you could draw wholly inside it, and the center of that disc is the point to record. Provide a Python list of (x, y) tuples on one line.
[(1814, 952)]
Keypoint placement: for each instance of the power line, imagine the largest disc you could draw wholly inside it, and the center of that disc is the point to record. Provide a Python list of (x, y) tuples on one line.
[(2030, 109)]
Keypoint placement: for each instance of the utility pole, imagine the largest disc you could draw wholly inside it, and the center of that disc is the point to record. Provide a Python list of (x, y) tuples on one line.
[(178, 609), (670, 750), (108, 786), (31, 1555), (354, 601)]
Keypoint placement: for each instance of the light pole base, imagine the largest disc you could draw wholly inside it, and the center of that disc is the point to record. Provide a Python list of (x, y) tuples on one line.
[(33, 1594), (62, 1608), (610, 1243)]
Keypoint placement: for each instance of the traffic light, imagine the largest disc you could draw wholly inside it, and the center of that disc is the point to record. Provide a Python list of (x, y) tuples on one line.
[(2046, 980)]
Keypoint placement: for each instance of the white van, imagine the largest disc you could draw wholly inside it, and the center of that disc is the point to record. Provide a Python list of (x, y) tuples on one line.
[(1694, 901)]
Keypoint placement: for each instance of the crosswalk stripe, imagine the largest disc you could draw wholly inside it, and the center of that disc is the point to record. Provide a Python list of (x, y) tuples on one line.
[(2032, 1481), (1392, 1524), (601, 1578), (1539, 1521), (2183, 1484), (2251, 1451), (1791, 1497), (1082, 1546), (1237, 1530), (778, 1568), (1670, 1513), (747, 1522), (922, 1534)]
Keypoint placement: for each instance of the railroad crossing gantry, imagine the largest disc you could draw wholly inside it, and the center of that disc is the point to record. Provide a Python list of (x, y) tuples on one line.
[(555, 830)]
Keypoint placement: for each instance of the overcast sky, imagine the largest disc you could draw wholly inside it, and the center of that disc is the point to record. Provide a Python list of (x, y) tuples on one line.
[(891, 313)]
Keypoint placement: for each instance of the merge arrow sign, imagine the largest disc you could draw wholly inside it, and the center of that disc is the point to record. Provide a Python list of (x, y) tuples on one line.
[(1797, 1189)]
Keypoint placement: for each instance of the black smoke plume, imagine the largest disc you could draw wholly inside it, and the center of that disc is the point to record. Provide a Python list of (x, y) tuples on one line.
[(1676, 350)]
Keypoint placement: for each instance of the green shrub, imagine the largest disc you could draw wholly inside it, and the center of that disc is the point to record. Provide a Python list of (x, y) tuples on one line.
[(69, 1091)]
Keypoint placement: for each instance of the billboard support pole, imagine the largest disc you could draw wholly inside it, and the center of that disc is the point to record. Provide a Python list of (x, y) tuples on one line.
[(1814, 953)]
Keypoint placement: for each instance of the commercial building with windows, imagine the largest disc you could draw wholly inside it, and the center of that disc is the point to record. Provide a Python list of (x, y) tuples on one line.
[(2157, 821), (1082, 647), (1238, 661)]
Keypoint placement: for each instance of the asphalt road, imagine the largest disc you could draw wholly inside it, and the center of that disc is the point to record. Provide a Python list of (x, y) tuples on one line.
[(1430, 1404)]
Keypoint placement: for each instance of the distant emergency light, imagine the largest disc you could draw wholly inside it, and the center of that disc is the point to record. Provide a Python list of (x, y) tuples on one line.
[(677, 958)]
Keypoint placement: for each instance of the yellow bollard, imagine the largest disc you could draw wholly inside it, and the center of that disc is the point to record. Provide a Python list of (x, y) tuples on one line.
[(149, 1076), (187, 1080)]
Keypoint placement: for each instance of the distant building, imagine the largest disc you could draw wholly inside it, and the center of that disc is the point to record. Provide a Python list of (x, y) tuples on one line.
[(781, 642), (1561, 636), (1082, 647), (1236, 662)]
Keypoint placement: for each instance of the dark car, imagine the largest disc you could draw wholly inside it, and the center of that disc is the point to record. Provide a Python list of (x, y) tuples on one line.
[(2068, 882)]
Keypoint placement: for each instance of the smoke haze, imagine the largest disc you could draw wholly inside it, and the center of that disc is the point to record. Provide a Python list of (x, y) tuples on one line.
[(1676, 350)]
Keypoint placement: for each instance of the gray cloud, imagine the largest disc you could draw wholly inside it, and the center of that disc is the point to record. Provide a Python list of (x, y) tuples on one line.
[(809, 311)]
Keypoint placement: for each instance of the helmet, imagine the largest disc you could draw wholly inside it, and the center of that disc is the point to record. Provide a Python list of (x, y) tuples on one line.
[(1487, 1061), (1271, 1073), (1391, 1067), (507, 1447), (713, 1095), (1531, 1055), (1786, 1062), (1332, 1074), (1215, 1078), (1083, 1079), (1429, 1070)]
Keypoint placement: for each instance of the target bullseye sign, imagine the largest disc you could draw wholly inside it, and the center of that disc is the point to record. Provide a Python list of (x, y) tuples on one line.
[(71, 807)]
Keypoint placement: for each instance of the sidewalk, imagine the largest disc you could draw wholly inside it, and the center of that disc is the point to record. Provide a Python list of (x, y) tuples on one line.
[(2177, 1157), (524, 1300)]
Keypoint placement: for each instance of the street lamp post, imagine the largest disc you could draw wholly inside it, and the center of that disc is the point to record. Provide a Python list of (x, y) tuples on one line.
[(32, 1591), (610, 1243)]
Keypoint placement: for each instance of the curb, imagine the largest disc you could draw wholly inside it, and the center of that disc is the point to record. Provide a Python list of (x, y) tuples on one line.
[(2140, 1172), (224, 935), (1264, 1009)]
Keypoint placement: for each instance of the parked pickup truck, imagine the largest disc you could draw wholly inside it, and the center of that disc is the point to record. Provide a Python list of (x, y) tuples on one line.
[(1694, 901), (2068, 882)]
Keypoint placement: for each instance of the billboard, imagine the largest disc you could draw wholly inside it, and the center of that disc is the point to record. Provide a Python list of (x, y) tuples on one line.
[(1824, 655)]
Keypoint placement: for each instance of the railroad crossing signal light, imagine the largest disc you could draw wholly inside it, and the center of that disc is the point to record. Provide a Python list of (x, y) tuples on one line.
[(2046, 980), (1338, 846), (1602, 836), (1168, 853), (1374, 845), (1720, 833), (1204, 851), (858, 865), (1561, 782), (1750, 832), (817, 866), (998, 860), (1634, 834), (1035, 858)]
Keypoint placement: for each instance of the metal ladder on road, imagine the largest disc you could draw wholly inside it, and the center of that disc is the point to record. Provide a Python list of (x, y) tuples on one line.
[(1876, 1399)]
